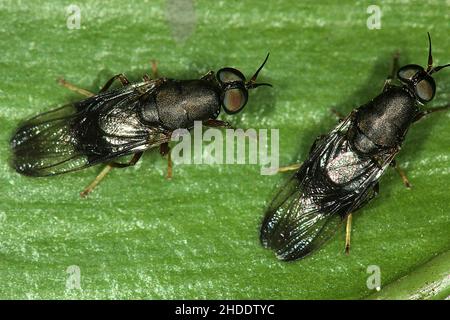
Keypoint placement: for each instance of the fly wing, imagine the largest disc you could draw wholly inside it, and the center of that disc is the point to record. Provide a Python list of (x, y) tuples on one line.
[(307, 211), (295, 223), (82, 134), (46, 144)]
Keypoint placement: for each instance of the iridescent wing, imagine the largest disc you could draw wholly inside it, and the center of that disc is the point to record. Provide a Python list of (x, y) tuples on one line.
[(78, 135), (294, 224)]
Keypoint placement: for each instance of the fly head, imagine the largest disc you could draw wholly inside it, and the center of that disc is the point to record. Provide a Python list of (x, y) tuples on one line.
[(419, 79), (234, 88)]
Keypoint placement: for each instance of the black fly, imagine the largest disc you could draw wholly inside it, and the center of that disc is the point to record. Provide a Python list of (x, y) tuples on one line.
[(124, 121), (342, 171)]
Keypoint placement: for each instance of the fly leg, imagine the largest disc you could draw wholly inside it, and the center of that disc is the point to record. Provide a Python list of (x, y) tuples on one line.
[(348, 233), (401, 173), (74, 88), (96, 181), (339, 115), (292, 167), (121, 77), (214, 123), (393, 75), (106, 170), (164, 149), (123, 80), (429, 111), (154, 71), (296, 166), (209, 76), (130, 163), (348, 227)]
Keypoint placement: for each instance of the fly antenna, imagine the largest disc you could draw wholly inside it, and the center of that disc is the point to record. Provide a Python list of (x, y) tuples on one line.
[(430, 69), (436, 69), (252, 82), (430, 57)]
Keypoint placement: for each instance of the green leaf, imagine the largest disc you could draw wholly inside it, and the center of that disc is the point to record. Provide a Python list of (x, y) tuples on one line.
[(196, 236), (429, 281)]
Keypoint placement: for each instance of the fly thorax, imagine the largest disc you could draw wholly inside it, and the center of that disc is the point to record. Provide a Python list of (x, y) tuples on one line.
[(386, 119), (180, 103)]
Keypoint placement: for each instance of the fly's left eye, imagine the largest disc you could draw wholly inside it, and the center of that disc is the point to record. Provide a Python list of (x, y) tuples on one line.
[(409, 71), (234, 100), (425, 89), (227, 75)]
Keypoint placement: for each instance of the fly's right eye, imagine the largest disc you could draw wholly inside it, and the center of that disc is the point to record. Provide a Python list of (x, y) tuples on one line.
[(425, 89), (409, 71), (234, 99), (228, 75)]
